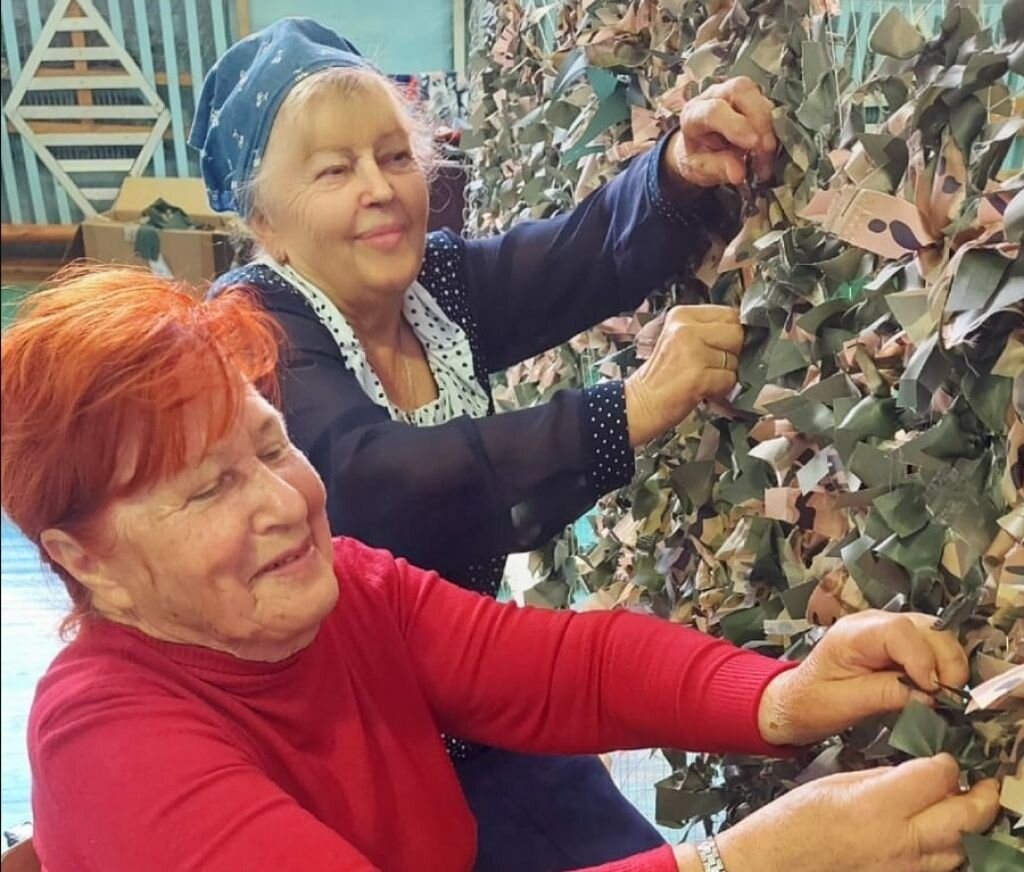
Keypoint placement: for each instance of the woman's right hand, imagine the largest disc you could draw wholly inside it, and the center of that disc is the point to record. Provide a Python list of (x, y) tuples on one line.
[(694, 358), (907, 818)]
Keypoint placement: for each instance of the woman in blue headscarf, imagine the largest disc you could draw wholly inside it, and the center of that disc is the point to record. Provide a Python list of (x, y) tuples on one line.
[(393, 332)]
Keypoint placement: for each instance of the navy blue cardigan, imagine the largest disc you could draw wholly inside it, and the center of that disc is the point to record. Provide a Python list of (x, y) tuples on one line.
[(460, 496)]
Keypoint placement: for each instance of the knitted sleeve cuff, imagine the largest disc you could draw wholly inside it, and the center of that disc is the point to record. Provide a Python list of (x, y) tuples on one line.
[(608, 436)]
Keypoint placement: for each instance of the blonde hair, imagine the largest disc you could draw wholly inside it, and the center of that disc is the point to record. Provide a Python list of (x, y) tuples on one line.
[(342, 82)]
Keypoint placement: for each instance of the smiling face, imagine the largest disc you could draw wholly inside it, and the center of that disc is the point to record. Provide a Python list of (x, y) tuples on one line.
[(232, 553), (341, 194)]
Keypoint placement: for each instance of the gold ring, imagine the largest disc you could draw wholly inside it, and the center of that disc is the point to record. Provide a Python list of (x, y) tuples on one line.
[(725, 360)]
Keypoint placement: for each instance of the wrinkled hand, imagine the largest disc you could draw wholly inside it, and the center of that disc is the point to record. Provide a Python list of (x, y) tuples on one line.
[(907, 818), (695, 357), (717, 129), (854, 673)]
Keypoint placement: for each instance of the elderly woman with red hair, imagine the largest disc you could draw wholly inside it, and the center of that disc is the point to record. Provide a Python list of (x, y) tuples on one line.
[(244, 692)]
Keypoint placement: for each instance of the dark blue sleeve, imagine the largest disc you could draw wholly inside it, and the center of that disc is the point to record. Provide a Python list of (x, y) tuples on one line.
[(453, 494), (542, 282)]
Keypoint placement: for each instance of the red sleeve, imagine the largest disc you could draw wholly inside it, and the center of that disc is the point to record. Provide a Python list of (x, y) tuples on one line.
[(144, 781), (540, 681), (661, 859)]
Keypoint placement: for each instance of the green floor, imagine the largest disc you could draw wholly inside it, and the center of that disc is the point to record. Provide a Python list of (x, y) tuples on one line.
[(10, 297), (31, 605)]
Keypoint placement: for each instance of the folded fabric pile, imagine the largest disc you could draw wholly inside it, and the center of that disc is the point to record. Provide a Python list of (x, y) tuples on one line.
[(874, 453)]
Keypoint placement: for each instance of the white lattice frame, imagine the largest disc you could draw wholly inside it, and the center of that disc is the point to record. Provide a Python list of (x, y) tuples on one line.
[(19, 115)]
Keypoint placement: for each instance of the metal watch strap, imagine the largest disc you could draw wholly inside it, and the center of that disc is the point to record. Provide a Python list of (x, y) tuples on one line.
[(710, 858)]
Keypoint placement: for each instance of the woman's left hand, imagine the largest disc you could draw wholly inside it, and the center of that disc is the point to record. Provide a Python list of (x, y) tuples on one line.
[(717, 130), (855, 672)]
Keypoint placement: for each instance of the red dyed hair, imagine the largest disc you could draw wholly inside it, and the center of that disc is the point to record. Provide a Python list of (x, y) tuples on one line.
[(108, 357)]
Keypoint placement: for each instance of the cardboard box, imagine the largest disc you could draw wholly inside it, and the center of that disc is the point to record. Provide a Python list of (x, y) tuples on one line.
[(195, 256)]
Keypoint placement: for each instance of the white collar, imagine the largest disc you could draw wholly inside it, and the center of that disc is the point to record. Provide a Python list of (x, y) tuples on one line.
[(445, 343)]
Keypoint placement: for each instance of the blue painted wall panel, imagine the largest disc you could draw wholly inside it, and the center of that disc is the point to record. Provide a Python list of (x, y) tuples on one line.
[(402, 36)]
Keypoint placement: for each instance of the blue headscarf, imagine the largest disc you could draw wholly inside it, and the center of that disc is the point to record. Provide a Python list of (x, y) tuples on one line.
[(243, 92)]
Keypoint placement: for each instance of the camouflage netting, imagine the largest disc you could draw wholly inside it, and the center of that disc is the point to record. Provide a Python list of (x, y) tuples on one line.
[(873, 455)]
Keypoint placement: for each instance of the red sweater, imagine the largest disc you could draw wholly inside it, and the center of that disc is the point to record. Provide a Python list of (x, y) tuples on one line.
[(151, 755)]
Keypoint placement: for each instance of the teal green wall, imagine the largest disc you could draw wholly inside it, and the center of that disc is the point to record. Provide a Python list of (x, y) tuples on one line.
[(401, 36)]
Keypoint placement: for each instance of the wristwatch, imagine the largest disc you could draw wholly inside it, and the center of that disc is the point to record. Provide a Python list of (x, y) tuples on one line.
[(710, 858)]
